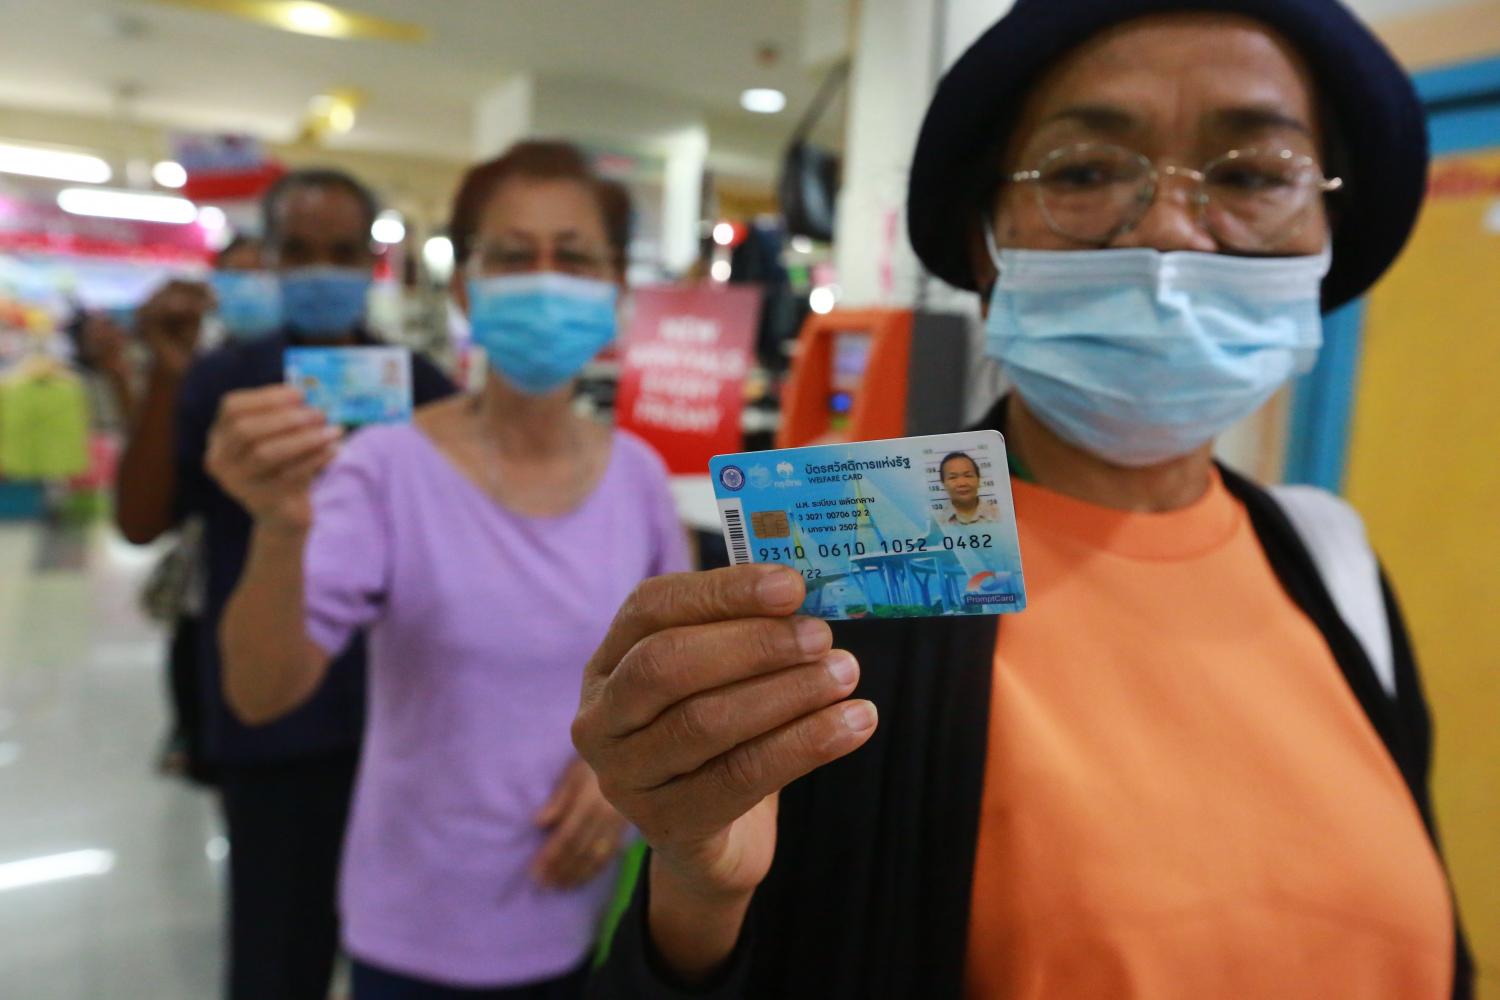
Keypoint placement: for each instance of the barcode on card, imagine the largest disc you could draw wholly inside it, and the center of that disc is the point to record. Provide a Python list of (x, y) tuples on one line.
[(733, 514)]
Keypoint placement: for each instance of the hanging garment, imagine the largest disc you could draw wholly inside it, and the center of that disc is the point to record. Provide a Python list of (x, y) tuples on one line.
[(44, 425)]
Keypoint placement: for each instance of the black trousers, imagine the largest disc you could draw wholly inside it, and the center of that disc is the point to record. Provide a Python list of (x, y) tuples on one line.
[(186, 703), (371, 983), (286, 830)]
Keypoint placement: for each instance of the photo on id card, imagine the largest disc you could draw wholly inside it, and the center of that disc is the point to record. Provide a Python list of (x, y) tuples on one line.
[(903, 528)]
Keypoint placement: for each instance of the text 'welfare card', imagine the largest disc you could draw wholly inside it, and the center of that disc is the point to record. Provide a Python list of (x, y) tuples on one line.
[(905, 528)]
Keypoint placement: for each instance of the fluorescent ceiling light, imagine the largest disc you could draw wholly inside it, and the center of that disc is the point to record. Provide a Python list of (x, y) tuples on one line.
[(388, 228), (78, 168), (763, 100), (54, 868), (313, 19), (169, 174), (308, 17), (108, 204)]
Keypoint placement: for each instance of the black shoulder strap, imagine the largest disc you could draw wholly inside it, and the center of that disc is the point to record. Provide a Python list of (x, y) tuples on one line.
[(868, 898), (1299, 576)]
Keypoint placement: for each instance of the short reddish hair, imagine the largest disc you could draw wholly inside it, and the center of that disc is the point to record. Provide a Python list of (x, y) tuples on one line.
[(537, 159)]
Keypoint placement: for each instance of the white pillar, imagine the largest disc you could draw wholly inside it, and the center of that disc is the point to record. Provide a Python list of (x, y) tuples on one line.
[(901, 48), (682, 196), (503, 115), (889, 86)]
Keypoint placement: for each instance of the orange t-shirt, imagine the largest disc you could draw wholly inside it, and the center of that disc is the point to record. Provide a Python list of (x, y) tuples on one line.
[(1182, 797)]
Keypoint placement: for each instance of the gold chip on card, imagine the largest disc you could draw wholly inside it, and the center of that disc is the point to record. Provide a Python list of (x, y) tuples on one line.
[(771, 524)]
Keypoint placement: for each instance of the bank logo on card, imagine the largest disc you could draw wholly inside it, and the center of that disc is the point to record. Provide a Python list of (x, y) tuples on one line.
[(911, 527)]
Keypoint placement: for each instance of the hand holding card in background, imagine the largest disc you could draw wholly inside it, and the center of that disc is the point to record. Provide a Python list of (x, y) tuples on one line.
[(353, 386), (266, 448)]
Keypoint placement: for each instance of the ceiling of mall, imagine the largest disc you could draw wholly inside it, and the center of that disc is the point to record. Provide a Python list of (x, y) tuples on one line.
[(157, 63), (164, 64)]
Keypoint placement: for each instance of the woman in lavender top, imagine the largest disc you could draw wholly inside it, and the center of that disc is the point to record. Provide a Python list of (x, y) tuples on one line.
[(485, 548)]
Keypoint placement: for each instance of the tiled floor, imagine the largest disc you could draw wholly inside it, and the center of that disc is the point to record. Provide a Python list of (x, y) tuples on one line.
[(81, 717)]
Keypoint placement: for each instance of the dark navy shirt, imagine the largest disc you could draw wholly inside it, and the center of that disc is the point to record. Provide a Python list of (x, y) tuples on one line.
[(333, 719)]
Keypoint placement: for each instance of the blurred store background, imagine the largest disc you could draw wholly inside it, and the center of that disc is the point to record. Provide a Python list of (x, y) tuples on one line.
[(765, 145)]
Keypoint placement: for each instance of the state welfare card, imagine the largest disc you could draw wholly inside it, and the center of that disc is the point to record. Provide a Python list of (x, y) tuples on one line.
[(353, 386), (905, 528)]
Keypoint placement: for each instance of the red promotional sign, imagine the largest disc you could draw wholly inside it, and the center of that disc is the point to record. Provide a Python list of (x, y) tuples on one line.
[(682, 376), (223, 167)]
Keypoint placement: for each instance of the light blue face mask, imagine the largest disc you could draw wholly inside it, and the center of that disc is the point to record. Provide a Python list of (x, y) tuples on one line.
[(1139, 356), (324, 303), (539, 330), (249, 303)]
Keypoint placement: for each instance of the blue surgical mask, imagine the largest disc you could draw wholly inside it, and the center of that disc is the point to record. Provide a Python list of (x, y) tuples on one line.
[(249, 303), (539, 330), (324, 303), (1139, 356)]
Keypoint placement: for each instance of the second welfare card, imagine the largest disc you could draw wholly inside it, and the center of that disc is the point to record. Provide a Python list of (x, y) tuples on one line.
[(904, 528), (353, 386)]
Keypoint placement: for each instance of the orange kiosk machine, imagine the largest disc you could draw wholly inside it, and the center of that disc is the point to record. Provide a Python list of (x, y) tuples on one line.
[(864, 374)]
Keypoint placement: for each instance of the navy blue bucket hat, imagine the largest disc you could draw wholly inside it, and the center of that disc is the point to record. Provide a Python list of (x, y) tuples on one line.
[(1374, 109)]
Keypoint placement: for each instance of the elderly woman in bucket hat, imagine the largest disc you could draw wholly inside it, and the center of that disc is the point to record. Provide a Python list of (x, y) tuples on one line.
[(1196, 765)]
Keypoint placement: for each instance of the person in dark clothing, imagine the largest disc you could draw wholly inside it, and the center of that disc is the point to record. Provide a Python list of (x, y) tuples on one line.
[(170, 325), (285, 786), (1196, 764)]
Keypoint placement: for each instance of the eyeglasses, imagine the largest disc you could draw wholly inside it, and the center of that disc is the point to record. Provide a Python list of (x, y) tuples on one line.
[(1251, 200), (507, 258)]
